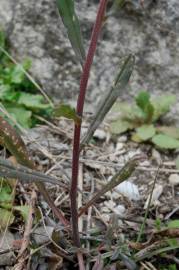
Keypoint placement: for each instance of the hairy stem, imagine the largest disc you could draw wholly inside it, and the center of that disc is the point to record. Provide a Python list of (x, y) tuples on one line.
[(79, 110)]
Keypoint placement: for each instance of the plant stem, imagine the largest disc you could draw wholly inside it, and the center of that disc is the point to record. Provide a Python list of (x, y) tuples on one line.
[(79, 110)]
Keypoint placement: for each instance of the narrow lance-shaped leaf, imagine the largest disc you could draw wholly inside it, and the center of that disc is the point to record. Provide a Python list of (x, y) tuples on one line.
[(24, 174), (107, 102), (68, 112), (71, 22), (13, 142), (118, 178)]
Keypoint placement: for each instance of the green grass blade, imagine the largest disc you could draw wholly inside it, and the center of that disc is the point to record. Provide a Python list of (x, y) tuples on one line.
[(71, 22), (117, 179), (107, 102)]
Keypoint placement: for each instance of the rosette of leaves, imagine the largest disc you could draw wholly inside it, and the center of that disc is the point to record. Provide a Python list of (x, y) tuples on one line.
[(18, 95), (142, 118)]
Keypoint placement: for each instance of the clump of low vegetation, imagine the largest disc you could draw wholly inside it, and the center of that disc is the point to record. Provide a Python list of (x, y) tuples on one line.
[(18, 94), (143, 119)]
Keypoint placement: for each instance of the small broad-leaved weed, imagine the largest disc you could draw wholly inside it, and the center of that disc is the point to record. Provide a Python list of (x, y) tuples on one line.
[(18, 95), (142, 118)]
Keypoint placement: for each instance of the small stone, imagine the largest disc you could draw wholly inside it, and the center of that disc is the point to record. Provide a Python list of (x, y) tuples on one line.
[(105, 217), (145, 163), (129, 190), (164, 209), (156, 156), (120, 210), (105, 210), (42, 235), (6, 242), (109, 204), (119, 146), (174, 179), (122, 139), (100, 134)]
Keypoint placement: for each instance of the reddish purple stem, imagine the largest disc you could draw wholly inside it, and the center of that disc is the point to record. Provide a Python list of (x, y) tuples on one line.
[(79, 110)]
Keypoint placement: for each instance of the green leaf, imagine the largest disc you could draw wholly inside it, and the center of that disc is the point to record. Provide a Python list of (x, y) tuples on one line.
[(20, 114), (24, 211), (121, 107), (173, 224), (17, 74), (135, 138), (68, 112), (70, 20), (33, 102), (6, 218), (143, 99), (111, 96), (170, 131), (145, 132), (162, 105), (143, 102), (165, 142), (7, 93), (119, 126), (6, 196)]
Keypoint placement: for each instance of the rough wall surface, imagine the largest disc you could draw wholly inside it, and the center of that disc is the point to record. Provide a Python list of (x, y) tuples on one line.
[(151, 33)]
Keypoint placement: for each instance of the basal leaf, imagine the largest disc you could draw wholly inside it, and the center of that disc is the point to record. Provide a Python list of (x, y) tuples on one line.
[(169, 131), (6, 218), (7, 93), (143, 99), (67, 111), (145, 132), (165, 142), (20, 114), (135, 138), (143, 102), (70, 20), (149, 112), (33, 102), (173, 224), (119, 126), (17, 74), (162, 105), (121, 107)]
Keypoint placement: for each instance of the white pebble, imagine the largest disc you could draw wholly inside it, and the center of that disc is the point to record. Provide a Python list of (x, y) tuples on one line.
[(100, 134), (119, 146), (120, 210), (174, 179), (129, 190), (122, 139)]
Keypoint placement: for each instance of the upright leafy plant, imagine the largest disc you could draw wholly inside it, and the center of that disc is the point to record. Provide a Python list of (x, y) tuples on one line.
[(68, 15), (17, 147)]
